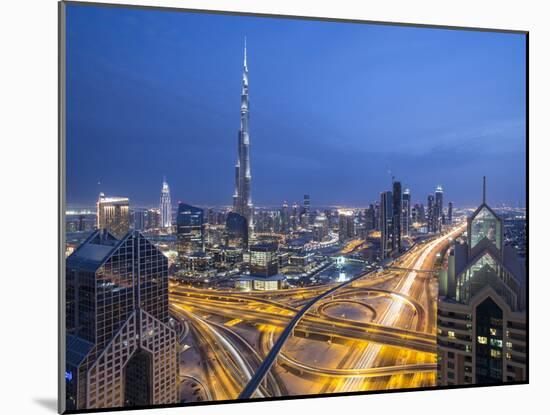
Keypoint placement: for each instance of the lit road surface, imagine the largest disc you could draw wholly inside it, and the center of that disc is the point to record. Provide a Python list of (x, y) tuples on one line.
[(392, 346), (391, 315)]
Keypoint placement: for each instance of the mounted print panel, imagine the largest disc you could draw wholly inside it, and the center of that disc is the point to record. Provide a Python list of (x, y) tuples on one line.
[(258, 207)]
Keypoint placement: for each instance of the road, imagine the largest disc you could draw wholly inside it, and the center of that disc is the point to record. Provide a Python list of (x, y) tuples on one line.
[(393, 348)]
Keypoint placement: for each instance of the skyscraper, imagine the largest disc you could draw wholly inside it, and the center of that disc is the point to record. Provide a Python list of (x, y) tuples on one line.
[(307, 210), (438, 214), (113, 214), (370, 218), (396, 217), (386, 210), (346, 225), (481, 313), (242, 198), (450, 213), (120, 348), (165, 207), (406, 222), (431, 213), (190, 230), (236, 231)]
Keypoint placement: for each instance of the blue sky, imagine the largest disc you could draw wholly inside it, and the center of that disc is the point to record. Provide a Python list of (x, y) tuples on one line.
[(334, 107)]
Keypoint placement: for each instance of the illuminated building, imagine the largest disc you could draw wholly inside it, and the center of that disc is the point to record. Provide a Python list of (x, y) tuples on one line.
[(264, 268), (165, 207), (139, 220), (285, 218), (439, 216), (307, 211), (320, 228), (264, 260), (370, 218), (236, 231), (152, 218), (450, 213), (396, 217), (482, 330), (242, 198), (120, 349), (386, 210), (346, 225), (189, 230), (431, 217), (113, 214), (406, 221)]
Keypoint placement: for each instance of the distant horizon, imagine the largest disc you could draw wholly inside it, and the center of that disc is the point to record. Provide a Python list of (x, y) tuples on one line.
[(149, 95)]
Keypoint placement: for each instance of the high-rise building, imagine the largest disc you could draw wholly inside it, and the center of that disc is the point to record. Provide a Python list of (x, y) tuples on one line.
[(139, 220), (121, 349), (113, 214), (152, 218), (431, 214), (236, 231), (482, 332), (285, 218), (307, 210), (406, 221), (165, 207), (346, 225), (397, 216), (370, 218), (242, 198), (450, 213), (386, 211), (190, 230), (264, 260), (320, 227), (438, 208)]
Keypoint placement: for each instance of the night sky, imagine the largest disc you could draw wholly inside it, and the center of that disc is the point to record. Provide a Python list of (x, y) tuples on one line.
[(333, 108)]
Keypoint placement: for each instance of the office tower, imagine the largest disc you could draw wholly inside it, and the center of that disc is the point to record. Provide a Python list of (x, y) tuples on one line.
[(152, 218), (431, 214), (377, 215), (236, 231), (285, 218), (406, 221), (482, 332), (320, 227), (242, 198), (294, 217), (421, 213), (386, 211), (450, 213), (211, 217), (139, 220), (397, 215), (121, 349), (264, 260), (370, 218), (307, 210), (190, 230), (165, 207), (346, 225), (438, 214), (113, 214)]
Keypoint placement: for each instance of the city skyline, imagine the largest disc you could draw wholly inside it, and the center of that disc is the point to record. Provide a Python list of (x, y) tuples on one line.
[(499, 147)]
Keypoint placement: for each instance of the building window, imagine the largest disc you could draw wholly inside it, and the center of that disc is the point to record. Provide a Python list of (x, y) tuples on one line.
[(496, 343), (482, 339), (493, 331), (509, 345), (496, 353), (451, 334)]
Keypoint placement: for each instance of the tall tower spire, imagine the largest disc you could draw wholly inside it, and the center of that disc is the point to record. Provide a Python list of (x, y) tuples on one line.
[(242, 199)]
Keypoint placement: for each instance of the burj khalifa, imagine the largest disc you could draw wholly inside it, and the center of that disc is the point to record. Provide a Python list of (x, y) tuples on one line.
[(242, 199)]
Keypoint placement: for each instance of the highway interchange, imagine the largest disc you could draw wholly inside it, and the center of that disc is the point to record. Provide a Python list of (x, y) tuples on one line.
[(376, 331)]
